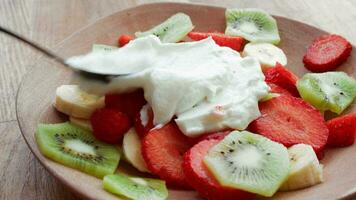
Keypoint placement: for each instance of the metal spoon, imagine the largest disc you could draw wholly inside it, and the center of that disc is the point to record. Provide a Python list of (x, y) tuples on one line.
[(57, 58)]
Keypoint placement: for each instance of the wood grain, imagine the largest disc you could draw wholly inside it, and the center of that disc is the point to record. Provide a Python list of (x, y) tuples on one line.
[(50, 21), (21, 176)]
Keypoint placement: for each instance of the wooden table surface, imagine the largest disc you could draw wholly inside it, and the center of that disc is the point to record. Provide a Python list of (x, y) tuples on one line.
[(50, 21)]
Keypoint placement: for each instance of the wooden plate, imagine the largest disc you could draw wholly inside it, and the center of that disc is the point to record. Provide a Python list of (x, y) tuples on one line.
[(37, 92)]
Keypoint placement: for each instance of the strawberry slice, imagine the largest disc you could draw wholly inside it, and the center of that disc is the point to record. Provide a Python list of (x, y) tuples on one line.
[(342, 130), (220, 39), (290, 120), (210, 136), (163, 150), (326, 53), (124, 39), (282, 77), (277, 89), (109, 125), (129, 103), (202, 180), (144, 120), (215, 136)]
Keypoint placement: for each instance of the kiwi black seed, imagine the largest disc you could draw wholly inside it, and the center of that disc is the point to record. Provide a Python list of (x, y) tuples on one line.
[(77, 148), (95, 158)]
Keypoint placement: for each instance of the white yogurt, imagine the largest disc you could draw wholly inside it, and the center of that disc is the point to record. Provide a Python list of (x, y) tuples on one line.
[(207, 87)]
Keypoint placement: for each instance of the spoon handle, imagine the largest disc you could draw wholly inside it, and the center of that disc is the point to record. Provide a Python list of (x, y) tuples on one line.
[(48, 53), (45, 51)]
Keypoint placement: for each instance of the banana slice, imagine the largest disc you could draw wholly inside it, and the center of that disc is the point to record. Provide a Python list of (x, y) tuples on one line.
[(73, 101), (305, 168), (132, 150), (267, 54), (82, 123)]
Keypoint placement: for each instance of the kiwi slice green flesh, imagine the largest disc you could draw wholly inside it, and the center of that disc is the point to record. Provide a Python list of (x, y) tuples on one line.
[(77, 148), (332, 91), (135, 188), (174, 29), (102, 48), (254, 25), (249, 162)]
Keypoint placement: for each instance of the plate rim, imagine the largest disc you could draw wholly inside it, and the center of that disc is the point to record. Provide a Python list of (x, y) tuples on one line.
[(68, 185)]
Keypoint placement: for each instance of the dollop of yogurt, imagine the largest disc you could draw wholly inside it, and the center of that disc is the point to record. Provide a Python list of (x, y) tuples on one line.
[(205, 86)]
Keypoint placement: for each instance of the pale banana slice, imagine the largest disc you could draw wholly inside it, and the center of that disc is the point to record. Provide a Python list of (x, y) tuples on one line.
[(73, 101), (267, 54), (305, 168), (82, 123), (132, 150)]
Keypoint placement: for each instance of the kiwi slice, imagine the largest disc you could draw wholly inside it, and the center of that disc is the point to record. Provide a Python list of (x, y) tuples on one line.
[(103, 48), (254, 25), (249, 162), (77, 148), (332, 91), (135, 187), (174, 29)]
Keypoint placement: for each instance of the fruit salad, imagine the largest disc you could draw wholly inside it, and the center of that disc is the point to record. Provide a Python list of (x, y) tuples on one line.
[(218, 113)]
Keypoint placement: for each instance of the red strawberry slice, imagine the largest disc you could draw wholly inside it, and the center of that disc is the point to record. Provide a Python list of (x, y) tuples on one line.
[(290, 120), (129, 103), (210, 136), (326, 53), (109, 125), (124, 39), (217, 136), (342, 130), (220, 39), (163, 150), (202, 180), (277, 89), (144, 120), (282, 77)]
